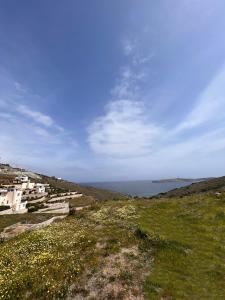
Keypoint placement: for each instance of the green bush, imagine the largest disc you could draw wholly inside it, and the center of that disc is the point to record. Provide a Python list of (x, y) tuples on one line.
[(32, 209), (4, 207)]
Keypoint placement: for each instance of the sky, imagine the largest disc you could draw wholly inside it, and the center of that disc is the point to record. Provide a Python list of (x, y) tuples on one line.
[(113, 90)]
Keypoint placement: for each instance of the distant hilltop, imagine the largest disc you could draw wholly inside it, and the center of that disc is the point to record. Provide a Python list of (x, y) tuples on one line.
[(7, 169), (181, 180)]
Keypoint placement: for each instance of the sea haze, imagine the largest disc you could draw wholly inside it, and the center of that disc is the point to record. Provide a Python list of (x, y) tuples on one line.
[(140, 187)]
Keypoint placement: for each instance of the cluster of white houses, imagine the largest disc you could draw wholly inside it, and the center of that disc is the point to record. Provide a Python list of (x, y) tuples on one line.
[(11, 195)]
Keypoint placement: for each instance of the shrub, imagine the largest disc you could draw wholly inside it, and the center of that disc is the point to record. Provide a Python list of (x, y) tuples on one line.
[(72, 211), (160, 243), (220, 215), (125, 275), (32, 209), (4, 207)]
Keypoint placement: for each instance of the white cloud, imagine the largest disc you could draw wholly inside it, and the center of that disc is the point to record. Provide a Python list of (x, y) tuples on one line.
[(132, 49), (29, 137), (127, 85), (125, 134), (129, 46), (210, 107), (139, 59), (19, 87), (34, 146), (36, 115), (123, 131), (5, 115)]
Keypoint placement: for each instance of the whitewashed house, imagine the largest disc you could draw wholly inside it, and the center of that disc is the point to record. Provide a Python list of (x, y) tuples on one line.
[(28, 185), (22, 178), (40, 188), (3, 197), (13, 198)]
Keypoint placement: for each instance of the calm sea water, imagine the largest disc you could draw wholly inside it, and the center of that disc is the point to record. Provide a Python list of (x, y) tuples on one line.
[(138, 188)]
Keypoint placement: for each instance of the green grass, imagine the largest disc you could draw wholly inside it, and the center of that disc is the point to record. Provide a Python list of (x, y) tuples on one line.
[(81, 201), (188, 237), (7, 220), (44, 263), (206, 186), (180, 242)]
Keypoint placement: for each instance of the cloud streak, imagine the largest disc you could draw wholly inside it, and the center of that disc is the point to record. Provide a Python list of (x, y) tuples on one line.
[(123, 131), (36, 116), (210, 107), (30, 137)]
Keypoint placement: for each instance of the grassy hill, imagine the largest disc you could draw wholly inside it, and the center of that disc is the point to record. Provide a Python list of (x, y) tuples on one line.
[(211, 185), (169, 247), (129, 249), (189, 248)]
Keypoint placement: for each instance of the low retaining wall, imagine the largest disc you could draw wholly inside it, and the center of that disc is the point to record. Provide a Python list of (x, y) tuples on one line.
[(13, 212), (18, 228), (37, 200), (63, 194), (65, 197), (56, 208)]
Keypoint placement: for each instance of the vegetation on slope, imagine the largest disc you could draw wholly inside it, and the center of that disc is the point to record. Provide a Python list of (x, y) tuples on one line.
[(64, 185), (81, 201), (189, 256), (93, 253), (98, 194), (6, 178), (159, 249), (28, 218), (212, 185)]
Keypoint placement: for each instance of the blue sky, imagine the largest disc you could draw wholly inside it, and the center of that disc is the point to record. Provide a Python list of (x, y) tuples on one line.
[(113, 90)]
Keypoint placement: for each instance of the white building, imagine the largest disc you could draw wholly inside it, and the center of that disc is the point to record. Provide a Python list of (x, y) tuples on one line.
[(40, 188), (27, 185), (24, 182), (12, 197), (3, 197), (22, 178)]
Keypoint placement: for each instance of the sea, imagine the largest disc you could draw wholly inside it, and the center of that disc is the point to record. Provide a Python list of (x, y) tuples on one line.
[(140, 188)]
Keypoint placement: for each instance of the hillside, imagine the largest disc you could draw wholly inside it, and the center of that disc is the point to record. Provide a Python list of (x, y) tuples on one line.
[(98, 194), (169, 247), (130, 249), (7, 170), (8, 173), (211, 185)]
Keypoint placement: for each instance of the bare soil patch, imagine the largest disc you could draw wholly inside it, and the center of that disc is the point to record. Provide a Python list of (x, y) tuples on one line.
[(118, 276)]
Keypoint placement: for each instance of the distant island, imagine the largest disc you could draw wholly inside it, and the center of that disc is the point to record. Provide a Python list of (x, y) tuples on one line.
[(180, 180)]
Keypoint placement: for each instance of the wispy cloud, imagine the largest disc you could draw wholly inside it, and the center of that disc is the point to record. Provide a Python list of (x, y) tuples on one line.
[(36, 116), (124, 130), (30, 137), (129, 46), (19, 87), (132, 48), (127, 84), (209, 108)]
